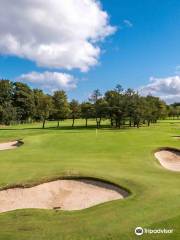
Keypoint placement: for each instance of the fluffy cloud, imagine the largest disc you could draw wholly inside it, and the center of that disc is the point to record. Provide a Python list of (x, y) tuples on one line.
[(49, 81), (166, 88), (54, 33)]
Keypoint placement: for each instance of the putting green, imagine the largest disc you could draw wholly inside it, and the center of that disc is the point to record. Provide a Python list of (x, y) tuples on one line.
[(124, 157)]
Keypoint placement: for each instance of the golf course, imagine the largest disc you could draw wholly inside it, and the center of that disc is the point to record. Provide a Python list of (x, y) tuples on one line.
[(123, 157), (89, 120)]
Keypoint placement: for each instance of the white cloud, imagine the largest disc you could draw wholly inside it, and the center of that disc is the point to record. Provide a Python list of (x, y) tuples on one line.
[(49, 81), (166, 88), (54, 33), (128, 23)]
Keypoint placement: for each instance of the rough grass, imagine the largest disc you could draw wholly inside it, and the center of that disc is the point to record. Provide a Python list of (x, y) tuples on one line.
[(123, 156)]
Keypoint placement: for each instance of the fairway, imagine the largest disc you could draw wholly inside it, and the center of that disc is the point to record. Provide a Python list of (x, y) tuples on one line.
[(122, 156)]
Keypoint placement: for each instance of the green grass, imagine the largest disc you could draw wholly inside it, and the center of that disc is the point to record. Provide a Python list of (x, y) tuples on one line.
[(123, 156)]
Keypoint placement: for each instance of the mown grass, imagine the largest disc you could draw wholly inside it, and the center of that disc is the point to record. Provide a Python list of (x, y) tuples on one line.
[(123, 156)]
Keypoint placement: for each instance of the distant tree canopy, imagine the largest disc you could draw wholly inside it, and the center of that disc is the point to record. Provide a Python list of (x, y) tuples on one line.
[(174, 110), (20, 104)]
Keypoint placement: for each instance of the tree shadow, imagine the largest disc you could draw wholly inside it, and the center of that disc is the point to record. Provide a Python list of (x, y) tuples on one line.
[(67, 128), (50, 128)]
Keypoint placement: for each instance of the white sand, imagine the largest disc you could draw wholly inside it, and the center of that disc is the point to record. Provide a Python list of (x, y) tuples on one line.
[(60, 194), (169, 159), (9, 145)]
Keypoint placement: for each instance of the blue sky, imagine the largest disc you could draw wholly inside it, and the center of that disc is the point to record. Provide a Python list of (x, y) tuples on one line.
[(145, 45)]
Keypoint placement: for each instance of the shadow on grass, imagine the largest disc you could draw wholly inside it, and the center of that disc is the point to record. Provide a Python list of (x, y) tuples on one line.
[(78, 127), (90, 127)]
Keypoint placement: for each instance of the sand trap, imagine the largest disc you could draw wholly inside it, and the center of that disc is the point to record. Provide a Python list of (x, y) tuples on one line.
[(169, 158), (176, 137), (60, 194), (10, 145)]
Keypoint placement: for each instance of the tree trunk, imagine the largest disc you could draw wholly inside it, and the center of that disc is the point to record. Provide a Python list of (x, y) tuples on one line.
[(44, 120), (58, 124), (73, 122), (130, 122), (116, 123), (97, 123), (111, 122), (119, 123), (86, 122)]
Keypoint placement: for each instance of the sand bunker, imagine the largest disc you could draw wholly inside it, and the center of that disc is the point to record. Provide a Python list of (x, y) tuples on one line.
[(10, 145), (169, 158), (176, 137), (60, 194)]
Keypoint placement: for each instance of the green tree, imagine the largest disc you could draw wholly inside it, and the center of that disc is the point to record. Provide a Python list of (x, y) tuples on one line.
[(38, 95), (156, 109), (23, 101), (130, 96), (116, 105), (6, 91), (44, 107), (101, 111), (87, 111), (7, 112), (75, 110), (61, 106)]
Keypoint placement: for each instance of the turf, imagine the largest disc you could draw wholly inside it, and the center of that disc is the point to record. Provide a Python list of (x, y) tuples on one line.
[(123, 156)]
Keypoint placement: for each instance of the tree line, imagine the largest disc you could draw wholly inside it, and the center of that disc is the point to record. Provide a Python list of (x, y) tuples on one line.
[(174, 110), (19, 103)]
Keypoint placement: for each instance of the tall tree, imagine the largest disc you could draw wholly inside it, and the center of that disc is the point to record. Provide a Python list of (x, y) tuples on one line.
[(75, 110), (44, 107), (23, 101), (6, 91), (101, 111), (7, 112), (116, 103), (130, 96), (38, 96), (87, 111), (61, 106)]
